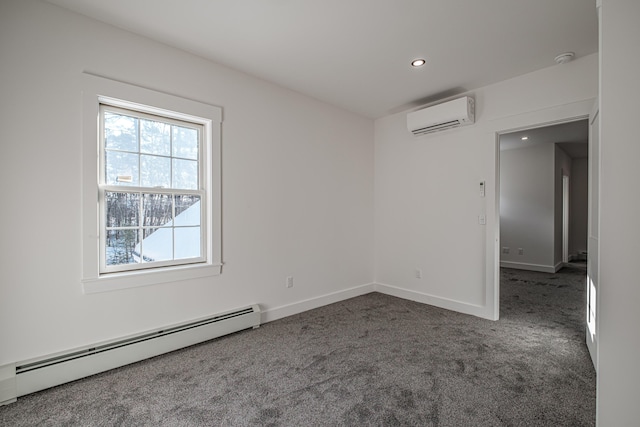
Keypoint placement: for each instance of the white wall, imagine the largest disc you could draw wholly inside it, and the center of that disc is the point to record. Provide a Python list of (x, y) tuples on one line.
[(297, 188), (578, 205), (562, 167), (531, 199), (427, 188), (618, 314), (527, 206)]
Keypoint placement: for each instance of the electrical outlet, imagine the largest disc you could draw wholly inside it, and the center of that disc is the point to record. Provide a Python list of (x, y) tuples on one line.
[(505, 250), (418, 273), (520, 251), (289, 282)]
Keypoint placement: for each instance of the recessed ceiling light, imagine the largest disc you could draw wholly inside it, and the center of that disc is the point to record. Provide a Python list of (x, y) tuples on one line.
[(418, 62), (524, 138)]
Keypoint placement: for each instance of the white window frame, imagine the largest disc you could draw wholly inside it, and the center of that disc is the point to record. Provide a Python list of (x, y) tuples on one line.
[(98, 90), (106, 105)]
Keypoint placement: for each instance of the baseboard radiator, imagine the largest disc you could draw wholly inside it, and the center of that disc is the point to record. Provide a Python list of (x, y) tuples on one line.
[(21, 378)]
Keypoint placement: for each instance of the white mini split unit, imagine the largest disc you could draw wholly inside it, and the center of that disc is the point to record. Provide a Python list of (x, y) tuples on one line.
[(450, 114)]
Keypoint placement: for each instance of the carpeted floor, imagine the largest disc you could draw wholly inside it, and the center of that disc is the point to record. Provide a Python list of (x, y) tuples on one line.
[(371, 360)]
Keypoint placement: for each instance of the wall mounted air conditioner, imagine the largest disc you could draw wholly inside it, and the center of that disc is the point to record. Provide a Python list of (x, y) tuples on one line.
[(450, 114)]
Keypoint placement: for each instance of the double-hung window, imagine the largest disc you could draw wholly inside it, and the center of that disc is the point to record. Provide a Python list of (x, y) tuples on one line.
[(151, 193), (151, 187)]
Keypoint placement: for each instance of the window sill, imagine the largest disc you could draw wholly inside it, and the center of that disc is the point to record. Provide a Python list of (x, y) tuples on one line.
[(118, 281)]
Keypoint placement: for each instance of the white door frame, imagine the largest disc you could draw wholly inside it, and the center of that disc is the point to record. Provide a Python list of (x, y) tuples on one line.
[(566, 113), (565, 217), (593, 237)]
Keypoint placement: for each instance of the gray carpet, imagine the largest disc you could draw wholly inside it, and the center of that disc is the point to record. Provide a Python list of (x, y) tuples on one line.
[(371, 360)]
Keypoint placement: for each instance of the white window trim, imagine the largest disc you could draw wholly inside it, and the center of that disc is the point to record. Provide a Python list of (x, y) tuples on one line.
[(96, 89)]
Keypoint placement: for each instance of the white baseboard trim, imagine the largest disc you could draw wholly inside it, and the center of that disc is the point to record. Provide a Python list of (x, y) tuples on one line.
[(448, 304), (271, 314), (10, 388), (276, 313), (531, 267)]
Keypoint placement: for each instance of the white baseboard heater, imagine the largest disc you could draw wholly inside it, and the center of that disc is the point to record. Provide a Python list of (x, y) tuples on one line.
[(21, 378)]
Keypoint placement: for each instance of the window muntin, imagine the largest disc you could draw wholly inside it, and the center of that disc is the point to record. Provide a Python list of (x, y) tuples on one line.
[(151, 191)]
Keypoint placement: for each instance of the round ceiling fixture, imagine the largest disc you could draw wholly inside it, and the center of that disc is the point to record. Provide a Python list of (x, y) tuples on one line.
[(563, 58), (419, 62)]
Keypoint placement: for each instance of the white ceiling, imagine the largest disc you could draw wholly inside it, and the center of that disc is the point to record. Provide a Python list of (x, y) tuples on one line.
[(356, 53), (572, 137)]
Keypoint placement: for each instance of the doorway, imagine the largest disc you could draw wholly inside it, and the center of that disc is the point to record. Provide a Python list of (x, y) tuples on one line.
[(532, 120), (565, 218), (543, 197)]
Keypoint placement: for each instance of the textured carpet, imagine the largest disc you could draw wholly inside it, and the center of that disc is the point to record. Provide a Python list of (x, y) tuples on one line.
[(371, 360)]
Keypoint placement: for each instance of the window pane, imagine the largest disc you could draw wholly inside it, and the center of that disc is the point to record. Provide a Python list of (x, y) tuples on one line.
[(120, 132), (187, 242), (187, 210), (155, 137), (121, 247), (157, 210), (123, 209), (155, 171), (122, 168), (149, 163), (185, 142), (185, 174), (158, 244)]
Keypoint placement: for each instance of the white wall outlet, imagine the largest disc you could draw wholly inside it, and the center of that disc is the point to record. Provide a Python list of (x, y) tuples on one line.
[(482, 220), (520, 251), (505, 250), (289, 282), (418, 273)]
